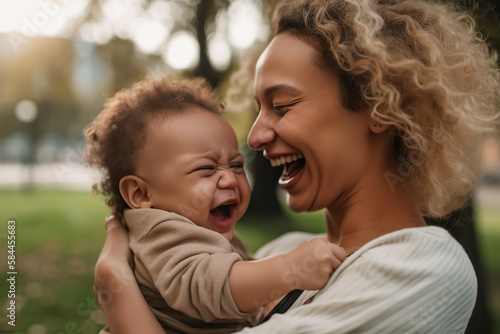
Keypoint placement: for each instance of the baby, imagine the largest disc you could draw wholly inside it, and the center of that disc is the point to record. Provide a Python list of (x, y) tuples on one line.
[(173, 171)]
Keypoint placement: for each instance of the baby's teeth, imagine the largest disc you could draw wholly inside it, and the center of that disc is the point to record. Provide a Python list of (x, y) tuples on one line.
[(282, 160), (289, 159)]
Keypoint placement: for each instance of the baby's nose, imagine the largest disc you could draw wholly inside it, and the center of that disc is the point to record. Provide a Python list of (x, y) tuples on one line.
[(227, 179)]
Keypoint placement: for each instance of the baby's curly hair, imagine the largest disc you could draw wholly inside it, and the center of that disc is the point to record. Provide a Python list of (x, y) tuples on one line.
[(119, 131), (419, 66)]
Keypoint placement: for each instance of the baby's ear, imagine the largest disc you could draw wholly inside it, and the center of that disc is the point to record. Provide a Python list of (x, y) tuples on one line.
[(134, 191)]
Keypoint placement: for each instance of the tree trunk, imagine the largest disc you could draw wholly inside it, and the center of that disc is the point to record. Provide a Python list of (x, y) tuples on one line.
[(204, 68), (264, 201)]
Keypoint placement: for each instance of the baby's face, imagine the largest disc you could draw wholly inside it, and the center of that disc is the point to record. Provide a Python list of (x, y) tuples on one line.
[(193, 167)]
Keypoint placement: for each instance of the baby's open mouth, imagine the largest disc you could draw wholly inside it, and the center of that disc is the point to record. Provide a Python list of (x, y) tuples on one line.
[(222, 212)]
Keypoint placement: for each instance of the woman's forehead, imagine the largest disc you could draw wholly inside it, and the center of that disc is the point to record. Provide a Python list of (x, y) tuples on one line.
[(286, 46), (287, 61)]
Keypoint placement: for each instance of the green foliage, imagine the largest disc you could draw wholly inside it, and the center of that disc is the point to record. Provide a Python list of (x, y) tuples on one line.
[(489, 231)]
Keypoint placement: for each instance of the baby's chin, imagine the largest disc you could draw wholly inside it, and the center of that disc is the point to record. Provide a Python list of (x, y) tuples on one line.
[(228, 234)]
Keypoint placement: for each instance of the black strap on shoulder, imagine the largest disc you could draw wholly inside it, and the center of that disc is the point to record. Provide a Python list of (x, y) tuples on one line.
[(284, 304), (287, 302)]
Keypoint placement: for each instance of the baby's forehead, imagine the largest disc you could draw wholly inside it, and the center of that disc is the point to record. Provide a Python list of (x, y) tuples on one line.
[(187, 113), (184, 116), (197, 130)]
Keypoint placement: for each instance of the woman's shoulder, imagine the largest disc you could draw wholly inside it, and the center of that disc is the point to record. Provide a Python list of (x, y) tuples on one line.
[(420, 275), (415, 243), (428, 252), (432, 238), (284, 243)]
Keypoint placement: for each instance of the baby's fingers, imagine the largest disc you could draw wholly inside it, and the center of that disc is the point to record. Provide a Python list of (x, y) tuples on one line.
[(326, 249), (333, 254), (338, 252)]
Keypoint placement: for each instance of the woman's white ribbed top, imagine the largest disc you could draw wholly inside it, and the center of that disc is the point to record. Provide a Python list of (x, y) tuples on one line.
[(416, 280)]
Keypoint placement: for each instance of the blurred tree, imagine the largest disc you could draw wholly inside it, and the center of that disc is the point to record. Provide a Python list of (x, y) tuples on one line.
[(42, 72), (206, 12), (125, 64)]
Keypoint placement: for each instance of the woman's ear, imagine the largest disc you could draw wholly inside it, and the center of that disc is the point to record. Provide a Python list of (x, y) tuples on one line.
[(378, 127), (134, 191)]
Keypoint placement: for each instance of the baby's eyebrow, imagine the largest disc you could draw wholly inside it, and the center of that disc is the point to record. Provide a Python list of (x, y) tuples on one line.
[(236, 156), (194, 157)]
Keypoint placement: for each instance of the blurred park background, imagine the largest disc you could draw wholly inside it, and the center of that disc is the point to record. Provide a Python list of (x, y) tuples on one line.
[(60, 60)]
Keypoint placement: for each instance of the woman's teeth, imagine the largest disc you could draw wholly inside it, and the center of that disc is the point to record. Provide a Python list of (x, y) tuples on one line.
[(285, 159)]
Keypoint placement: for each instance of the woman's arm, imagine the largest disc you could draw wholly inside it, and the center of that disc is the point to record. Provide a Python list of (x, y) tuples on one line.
[(115, 286)]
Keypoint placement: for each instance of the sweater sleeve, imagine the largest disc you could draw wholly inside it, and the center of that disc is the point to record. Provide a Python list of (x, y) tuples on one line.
[(408, 282), (189, 266)]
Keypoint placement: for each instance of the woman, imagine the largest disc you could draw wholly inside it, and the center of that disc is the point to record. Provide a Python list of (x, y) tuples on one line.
[(376, 111)]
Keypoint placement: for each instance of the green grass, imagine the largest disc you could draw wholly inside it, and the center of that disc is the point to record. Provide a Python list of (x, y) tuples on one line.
[(59, 235)]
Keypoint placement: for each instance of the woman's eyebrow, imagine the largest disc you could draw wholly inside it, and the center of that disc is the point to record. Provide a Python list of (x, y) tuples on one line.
[(269, 90)]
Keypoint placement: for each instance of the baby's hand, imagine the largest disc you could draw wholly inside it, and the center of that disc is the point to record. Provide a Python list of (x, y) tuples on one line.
[(312, 263)]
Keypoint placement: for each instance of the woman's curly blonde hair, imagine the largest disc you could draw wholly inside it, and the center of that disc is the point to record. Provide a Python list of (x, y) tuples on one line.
[(419, 66), (120, 130)]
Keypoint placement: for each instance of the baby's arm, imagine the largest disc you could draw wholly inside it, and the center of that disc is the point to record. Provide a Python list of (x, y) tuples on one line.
[(307, 267)]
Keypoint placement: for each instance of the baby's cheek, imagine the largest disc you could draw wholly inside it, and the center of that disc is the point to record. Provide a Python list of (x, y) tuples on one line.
[(193, 212), (196, 205), (243, 185)]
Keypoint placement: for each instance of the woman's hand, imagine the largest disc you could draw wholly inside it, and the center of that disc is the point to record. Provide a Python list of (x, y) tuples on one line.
[(115, 286), (113, 269)]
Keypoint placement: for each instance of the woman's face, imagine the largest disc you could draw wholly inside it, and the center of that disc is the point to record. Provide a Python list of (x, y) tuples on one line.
[(323, 148)]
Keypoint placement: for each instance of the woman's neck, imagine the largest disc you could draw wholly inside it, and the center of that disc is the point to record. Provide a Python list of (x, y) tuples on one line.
[(370, 213)]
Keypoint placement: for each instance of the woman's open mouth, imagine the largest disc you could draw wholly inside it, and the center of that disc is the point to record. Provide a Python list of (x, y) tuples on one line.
[(292, 166)]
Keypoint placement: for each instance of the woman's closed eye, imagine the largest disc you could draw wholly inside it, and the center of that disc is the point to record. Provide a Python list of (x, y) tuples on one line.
[(282, 109)]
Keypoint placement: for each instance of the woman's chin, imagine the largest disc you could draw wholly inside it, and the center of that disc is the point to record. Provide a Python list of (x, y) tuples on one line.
[(296, 204)]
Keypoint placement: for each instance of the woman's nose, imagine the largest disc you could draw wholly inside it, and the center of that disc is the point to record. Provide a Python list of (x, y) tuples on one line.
[(261, 133)]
